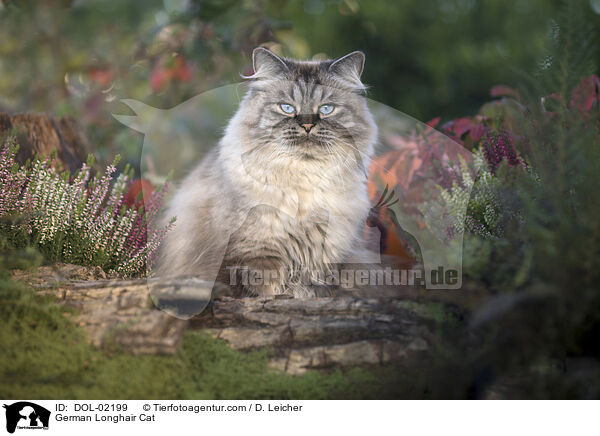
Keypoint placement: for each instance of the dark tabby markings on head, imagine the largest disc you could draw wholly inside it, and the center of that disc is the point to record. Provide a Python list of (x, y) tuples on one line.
[(306, 86)]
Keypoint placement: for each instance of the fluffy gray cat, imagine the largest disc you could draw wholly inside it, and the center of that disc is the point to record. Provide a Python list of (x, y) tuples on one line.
[(285, 190)]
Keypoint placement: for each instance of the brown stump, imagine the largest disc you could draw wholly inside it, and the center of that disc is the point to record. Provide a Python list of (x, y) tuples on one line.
[(41, 134)]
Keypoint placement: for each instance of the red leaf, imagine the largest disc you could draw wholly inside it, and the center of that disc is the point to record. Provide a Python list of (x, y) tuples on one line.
[(434, 122), (586, 93), (139, 186), (159, 78), (101, 76), (463, 125), (503, 91), (181, 70), (477, 132)]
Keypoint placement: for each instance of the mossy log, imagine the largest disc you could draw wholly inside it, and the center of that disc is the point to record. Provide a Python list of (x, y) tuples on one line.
[(301, 334)]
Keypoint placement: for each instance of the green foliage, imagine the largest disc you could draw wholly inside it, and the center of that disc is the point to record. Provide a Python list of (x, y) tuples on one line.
[(427, 58), (424, 57), (542, 272), (570, 53), (473, 204)]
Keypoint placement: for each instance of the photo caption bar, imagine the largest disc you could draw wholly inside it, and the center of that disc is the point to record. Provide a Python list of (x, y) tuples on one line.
[(66, 417)]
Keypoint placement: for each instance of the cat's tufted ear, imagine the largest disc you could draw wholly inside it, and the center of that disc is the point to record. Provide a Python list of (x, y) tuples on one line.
[(349, 68), (267, 64)]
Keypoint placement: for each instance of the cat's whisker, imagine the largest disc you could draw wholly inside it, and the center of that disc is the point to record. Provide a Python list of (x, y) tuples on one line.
[(333, 154), (311, 144)]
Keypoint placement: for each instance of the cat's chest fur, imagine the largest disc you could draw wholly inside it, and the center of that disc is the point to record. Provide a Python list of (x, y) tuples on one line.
[(308, 224)]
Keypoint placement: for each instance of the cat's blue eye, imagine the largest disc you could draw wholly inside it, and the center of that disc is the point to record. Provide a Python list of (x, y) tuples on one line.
[(326, 109), (287, 108)]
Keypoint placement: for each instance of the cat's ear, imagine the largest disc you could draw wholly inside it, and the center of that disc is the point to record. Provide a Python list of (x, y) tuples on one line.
[(351, 64), (350, 68), (267, 64)]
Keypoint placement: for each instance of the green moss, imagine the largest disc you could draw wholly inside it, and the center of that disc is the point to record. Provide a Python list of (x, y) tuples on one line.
[(435, 311), (46, 356), (439, 312)]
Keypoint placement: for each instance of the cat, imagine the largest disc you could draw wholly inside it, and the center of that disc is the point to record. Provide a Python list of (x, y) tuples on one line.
[(285, 190)]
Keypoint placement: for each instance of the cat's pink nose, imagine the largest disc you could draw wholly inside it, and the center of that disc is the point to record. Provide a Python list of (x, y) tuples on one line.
[(307, 127)]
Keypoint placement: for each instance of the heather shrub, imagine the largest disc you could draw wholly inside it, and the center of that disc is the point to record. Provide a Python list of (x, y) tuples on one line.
[(506, 140), (81, 218), (532, 266)]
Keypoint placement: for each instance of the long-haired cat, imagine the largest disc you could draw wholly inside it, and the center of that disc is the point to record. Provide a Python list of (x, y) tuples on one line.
[(285, 190)]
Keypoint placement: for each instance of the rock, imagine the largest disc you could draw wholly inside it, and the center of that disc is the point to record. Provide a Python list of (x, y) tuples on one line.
[(373, 352), (113, 312), (125, 316), (301, 334), (320, 333), (41, 134), (60, 273)]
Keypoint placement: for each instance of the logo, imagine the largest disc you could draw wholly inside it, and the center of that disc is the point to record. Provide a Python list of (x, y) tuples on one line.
[(412, 219), (26, 415)]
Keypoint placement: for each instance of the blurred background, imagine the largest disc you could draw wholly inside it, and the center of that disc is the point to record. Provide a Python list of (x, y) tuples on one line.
[(513, 81), (426, 58)]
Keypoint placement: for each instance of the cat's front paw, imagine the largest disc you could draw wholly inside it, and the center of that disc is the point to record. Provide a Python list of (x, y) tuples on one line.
[(299, 290)]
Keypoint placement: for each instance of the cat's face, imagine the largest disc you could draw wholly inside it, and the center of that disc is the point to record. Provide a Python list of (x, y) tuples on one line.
[(308, 110)]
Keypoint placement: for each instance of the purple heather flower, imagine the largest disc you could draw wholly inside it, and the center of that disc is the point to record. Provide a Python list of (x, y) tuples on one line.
[(79, 220), (497, 147)]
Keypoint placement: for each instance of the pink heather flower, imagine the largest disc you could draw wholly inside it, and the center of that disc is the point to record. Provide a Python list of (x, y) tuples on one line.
[(497, 147), (79, 220)]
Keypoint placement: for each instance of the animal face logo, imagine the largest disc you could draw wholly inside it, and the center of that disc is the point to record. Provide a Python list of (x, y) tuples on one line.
[(26, 415), (410, 163)]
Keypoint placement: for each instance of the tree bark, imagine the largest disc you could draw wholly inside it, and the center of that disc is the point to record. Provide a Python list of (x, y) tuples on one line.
[(41, 134)]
